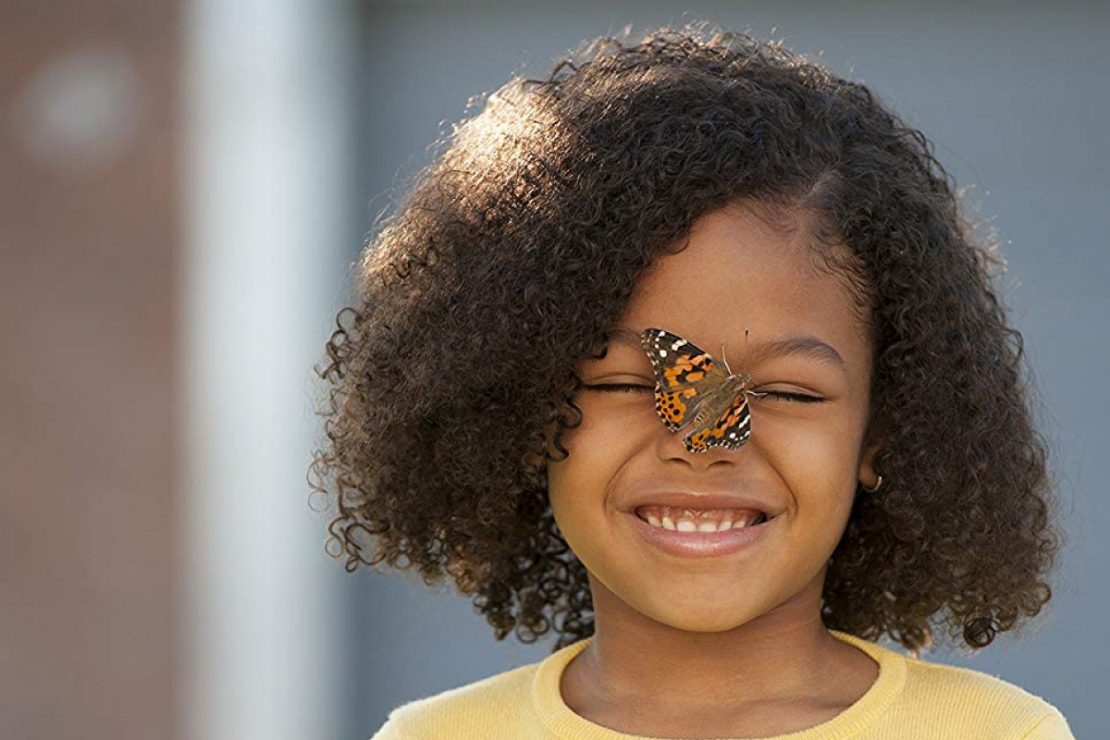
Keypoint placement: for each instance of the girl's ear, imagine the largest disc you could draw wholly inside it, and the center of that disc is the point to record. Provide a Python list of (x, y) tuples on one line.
[(872, 444), (867, 475)]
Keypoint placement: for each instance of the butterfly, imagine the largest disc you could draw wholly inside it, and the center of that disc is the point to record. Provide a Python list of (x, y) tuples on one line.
[(691, 387)]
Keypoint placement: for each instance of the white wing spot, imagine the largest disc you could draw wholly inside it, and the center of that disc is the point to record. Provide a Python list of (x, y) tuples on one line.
[(662, 353)]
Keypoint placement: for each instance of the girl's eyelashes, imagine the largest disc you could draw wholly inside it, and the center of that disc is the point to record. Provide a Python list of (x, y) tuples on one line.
[(630, 387), (620, 387), (793, 397)]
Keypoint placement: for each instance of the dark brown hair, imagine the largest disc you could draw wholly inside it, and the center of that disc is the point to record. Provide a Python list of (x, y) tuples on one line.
[(452, 377)]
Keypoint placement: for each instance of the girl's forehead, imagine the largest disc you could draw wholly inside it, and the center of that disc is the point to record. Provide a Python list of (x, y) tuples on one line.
[(733, 259)]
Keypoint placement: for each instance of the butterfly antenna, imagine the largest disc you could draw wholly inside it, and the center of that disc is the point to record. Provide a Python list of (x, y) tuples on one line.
[(752, 393)]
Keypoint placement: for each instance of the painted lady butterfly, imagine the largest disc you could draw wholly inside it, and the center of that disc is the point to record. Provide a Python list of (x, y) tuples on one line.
[(692, 387)]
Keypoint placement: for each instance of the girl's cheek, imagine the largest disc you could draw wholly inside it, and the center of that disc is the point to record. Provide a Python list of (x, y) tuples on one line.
[(598, 415), (620, 424), (607, 437)]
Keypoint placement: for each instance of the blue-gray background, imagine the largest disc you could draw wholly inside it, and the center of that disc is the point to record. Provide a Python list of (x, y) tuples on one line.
[(1015, 98)]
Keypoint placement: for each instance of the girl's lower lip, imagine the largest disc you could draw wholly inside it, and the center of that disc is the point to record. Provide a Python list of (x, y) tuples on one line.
[(700, 544)]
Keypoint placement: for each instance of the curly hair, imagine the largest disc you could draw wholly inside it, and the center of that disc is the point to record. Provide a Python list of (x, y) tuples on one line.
[(451, 380)]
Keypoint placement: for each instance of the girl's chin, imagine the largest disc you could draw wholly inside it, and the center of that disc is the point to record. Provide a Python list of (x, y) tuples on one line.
[(696, 608), (708, 622)]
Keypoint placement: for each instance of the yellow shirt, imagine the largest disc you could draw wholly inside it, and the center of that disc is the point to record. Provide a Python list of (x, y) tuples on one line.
[(910, 699)]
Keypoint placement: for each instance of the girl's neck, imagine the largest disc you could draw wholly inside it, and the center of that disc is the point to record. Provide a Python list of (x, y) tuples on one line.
[(648, 672)]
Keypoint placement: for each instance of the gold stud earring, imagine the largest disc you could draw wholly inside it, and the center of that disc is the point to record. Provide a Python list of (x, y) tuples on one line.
[(877, 484)]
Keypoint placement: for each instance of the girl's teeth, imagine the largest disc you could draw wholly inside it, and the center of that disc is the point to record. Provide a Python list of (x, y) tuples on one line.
[(687, 523)]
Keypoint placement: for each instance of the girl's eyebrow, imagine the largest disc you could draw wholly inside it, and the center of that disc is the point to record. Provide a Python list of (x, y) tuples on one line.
[(807, 346)]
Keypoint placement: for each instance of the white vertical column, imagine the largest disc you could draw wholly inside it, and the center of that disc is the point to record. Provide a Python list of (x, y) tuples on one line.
[(265, 114)]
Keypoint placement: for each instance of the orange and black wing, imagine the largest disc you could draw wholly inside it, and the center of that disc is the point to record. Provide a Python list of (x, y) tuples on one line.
[(686, 376), (730, 429)]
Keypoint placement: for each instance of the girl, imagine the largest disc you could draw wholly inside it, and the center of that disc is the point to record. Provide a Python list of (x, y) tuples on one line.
[(688, 354)]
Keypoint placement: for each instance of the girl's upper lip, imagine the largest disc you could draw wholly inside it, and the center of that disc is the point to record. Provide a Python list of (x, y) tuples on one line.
[(692, 500)]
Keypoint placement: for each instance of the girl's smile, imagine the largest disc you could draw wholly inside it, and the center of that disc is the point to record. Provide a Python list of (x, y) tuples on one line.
[(703, 541), (699, 525)]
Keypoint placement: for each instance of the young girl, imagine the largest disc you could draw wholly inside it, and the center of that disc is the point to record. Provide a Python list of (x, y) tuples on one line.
[(688, 354)]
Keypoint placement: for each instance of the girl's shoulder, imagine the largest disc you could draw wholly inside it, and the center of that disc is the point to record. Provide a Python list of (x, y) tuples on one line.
[(489, 707), (978, 700)]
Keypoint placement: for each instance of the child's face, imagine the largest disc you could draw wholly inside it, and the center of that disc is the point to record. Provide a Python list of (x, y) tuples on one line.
[(803, 458)]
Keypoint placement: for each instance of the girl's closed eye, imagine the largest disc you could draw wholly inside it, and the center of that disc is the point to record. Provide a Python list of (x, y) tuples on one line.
[(788, 396), (620, 387)]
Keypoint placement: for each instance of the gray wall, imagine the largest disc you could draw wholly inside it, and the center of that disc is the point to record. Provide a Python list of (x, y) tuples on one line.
[(1015, 100)]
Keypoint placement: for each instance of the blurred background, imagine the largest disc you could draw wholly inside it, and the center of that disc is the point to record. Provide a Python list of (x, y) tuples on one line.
[(183, 189)]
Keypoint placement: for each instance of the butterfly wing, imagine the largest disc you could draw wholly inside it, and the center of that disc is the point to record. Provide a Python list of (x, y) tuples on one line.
[(729, 429), (687, 378)]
